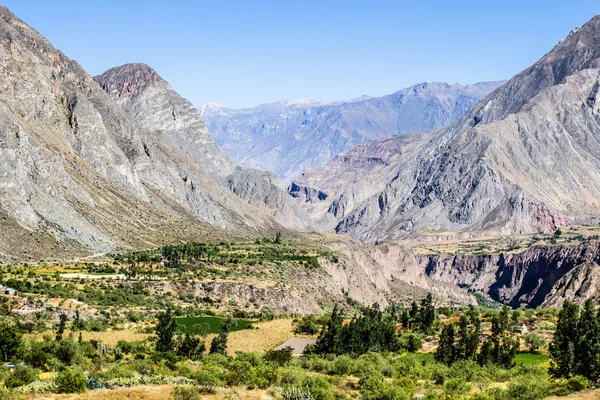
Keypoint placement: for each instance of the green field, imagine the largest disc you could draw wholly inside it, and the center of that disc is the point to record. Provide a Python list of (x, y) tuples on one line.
[(521, 359), (528, 358), (208, 324)]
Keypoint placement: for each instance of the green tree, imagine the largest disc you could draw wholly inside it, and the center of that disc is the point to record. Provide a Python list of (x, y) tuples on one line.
[(328, 341), (190, 346), (587, 345), (426, 314), (446, 351), (405, 319), (165, 330), (562, 348), (61, 327), (10, 340), (414, 314), (219, 343), (468, 338)]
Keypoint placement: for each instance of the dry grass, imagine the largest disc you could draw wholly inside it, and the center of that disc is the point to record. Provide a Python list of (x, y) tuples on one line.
[(265, 336), (109, 337), (151, 393), (268, 335)]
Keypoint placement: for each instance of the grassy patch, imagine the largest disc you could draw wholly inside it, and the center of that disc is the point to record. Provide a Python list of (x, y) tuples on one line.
[(208, 324), (529, 359)]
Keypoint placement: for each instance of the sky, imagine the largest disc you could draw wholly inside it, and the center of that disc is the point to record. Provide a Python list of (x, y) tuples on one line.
[(245, 53)]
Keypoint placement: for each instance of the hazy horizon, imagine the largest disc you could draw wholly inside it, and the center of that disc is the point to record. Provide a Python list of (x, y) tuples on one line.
[(242, 54)]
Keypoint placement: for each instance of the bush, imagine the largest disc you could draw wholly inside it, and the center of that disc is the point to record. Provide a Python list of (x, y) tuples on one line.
[(281, 357), (528, 387), (71, 380), (535, 342), (342, 365), (374, 388), (21, 376), (307, 326), (456, 387), (578, 383), (411, 342), (185, 392)]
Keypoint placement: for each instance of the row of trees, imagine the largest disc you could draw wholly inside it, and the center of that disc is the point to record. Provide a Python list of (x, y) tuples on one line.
[(372, 330), (461, 341), (575, 349)]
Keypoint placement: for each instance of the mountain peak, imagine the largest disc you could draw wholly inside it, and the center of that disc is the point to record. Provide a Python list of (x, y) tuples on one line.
[(128, 80)]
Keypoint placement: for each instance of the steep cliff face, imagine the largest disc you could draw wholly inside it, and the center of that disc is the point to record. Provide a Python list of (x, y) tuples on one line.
[(78, 173), (523, 160), (164, 114), (290, 137), (541, 275)]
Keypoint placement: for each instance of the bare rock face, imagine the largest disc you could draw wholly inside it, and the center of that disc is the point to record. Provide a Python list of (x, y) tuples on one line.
[(523, 160), (290, 137), (159, 110), (78, 173), (164, 114), (540, 275)]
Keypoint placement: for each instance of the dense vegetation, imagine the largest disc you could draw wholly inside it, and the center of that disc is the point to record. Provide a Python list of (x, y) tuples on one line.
[(174, 329)]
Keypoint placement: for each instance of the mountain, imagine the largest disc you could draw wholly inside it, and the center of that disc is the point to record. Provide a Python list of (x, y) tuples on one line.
[(290, 137), (79, 173), (162, 112), (523, 160)]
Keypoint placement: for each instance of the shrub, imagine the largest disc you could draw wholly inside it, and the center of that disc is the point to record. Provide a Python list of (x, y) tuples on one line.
[(281, 357), (528, 387), (307, 326), (578, 383), (535, 342), (208, 380), (456, 387), (374, 388), (319, 387), (342, 365), (71, 380), (411, 342), (21, 376), (185, 392)]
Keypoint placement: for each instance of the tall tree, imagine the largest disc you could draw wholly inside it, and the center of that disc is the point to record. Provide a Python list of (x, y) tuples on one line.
[(426, 314), (61, 327), (446, 351), (587, 346), (10, 340), (165, 330), (329, 339), (562, 348), (219, 343)]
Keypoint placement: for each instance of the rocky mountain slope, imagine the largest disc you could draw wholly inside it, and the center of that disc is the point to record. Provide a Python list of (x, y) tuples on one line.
[(525, 159), (164, 114), (288, 138), (79, 173)]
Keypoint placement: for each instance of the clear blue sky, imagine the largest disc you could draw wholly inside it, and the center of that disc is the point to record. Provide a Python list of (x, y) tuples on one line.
[(243, 53)]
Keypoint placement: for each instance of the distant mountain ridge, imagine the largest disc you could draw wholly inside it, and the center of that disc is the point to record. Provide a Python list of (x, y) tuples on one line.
[(290, 137), (525, 159)]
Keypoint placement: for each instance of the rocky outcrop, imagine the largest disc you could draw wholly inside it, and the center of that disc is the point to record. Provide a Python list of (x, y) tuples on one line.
[(523, 160), (288, 138), (164, 114)]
